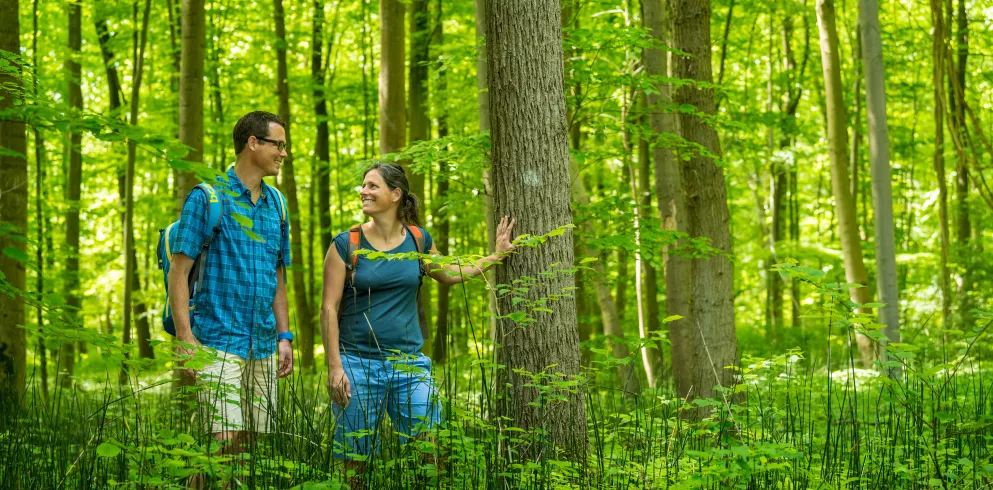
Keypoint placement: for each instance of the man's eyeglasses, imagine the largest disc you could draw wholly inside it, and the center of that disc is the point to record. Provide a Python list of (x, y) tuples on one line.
[(280, 145)]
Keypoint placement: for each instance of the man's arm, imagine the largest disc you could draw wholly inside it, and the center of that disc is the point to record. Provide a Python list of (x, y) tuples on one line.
[(179, 300), (280, 308)]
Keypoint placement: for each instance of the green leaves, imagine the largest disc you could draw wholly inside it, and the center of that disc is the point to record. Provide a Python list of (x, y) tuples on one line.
[(108, 450)]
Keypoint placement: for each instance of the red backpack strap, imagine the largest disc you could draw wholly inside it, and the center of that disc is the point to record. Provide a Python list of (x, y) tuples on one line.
[(418, 235), (351, 259)]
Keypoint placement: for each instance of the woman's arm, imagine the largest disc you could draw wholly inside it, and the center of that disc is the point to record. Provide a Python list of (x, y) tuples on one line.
[(459, 274), (334, 283)]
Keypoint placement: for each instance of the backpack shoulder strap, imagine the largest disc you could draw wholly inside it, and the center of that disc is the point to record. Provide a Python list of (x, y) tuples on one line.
[(215, 211), (280, 203), (351, 259), (418, 235)]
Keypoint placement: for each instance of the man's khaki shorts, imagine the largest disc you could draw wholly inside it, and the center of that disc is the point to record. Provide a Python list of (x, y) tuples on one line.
[(237, 394)]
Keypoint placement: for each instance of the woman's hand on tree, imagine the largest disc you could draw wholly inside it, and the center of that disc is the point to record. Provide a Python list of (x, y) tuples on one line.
[(504, 234)]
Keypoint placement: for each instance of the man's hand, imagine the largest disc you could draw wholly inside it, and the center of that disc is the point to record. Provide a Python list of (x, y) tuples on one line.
[(187, 347), (285, 358), (339, 387)]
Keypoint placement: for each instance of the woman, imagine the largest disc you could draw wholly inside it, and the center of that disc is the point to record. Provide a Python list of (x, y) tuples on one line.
[(369, 318)]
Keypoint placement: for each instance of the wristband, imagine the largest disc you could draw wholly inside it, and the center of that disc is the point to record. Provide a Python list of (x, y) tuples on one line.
[(284, 336)]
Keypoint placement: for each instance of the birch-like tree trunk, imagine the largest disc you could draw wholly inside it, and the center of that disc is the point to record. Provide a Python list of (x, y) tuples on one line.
[(882, 175), (844, 205), (530, 162)]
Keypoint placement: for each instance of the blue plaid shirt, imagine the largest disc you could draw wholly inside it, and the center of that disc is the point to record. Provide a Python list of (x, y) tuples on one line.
[(233, 311)]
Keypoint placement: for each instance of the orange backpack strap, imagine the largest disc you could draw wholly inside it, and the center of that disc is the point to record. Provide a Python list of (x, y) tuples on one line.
[(351, 259), (418, 235)]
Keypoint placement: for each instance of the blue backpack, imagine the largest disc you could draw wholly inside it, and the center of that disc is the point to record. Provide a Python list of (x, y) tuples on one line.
[(167, 242)]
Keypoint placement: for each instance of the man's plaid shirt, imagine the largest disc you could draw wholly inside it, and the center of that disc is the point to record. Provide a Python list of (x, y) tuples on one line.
[(233, 311)]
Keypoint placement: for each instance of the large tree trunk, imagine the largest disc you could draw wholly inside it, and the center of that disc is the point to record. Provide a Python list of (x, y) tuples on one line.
[(844, 206), (882, 178), (191, 70), (704, 341), (67, 356), (530, 152), (304, 316), (938, 75), (13, 210)]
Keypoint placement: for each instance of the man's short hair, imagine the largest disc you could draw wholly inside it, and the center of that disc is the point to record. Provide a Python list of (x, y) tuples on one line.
[(253, 124)]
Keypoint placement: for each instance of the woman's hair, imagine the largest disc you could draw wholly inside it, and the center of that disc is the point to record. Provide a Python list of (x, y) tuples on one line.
[(396, 178)]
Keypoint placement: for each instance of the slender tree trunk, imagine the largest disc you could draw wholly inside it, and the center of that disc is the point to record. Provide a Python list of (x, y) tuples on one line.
[(191, 90), (855, 272), (938, 75), (483, 106), (704, 341), (854, 155), (609, 310), (190, 105), (651, 351), (963, 224), (322, 150), (130, 261), (530, 151), (67, 356), (882, 178), (668, 172), (441, 209), (420, 125), (304, 315), (13, 211), (40, 163)]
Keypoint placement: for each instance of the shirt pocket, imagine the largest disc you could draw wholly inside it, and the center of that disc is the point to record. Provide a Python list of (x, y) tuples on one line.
[(270, 229)]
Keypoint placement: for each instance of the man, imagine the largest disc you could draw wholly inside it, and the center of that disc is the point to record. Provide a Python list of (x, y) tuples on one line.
[(240, 310)]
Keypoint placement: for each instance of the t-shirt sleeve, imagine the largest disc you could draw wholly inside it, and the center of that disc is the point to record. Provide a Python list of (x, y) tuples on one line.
[(340, 243), (192, 228)]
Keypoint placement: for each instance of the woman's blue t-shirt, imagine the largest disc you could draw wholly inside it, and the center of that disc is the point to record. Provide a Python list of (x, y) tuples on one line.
[(378, 316)]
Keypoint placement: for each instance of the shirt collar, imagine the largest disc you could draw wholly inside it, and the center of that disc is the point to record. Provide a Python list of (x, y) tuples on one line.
[(234, 183)]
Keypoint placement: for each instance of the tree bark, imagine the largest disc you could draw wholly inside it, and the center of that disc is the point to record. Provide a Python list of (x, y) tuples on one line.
[(67, 356), (882, 177), (844, 205), (190, 106), (13, 210), (963, 222), (530, 151), (651, 353), (304, 314), (704, 341), (191, 73)]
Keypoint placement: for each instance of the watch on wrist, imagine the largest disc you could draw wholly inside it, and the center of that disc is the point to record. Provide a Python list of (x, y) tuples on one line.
[(284, 336)]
